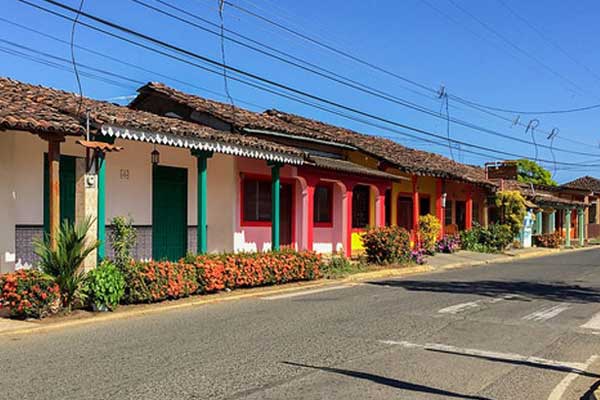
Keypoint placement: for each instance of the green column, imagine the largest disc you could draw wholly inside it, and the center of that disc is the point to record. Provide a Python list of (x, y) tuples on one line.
[(581, 225), (568, 227), (201, 231), (552, 222), (101, 252), (275, 206), (539, 222)]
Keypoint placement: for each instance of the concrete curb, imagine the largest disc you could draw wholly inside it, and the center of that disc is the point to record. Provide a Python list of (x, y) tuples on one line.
[(511, 258), (149, 309)]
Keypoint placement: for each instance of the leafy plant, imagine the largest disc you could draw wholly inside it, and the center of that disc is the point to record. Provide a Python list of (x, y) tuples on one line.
[(448, 244), (418, 256), (105, 286), (339, 266), (387, 245), (494, 238), (429, 231), (64, 263), (156, 281), (29, 294), (551, 240), (123, 237), (512, 206), (531, 172)]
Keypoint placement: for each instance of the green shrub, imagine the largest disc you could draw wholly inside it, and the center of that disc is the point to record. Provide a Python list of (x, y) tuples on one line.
[(494, 238), (64, 262), (387, 245), (29, 294), (105, 286), (513, 210), (429, 231), (216, 272), (339, 266), (123, 237), (156, 281), (152, 281)]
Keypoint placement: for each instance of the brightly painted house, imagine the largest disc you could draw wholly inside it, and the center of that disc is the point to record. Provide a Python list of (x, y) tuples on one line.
[(200, 176), (414, 182)]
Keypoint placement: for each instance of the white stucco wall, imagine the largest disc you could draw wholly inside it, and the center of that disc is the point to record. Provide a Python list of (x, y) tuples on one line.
[(7, 202), (129, 188), (258, 238)]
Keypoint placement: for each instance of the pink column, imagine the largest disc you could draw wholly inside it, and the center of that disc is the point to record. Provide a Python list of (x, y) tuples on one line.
[(416, 211), (439, 210), (348, 247)]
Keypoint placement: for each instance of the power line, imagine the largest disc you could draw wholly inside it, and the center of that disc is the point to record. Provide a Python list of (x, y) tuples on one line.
[(57, 66), (73, 56), (132, 65), (253, 76), (516, 47), (347, 55), (547, 39), (336, 77)]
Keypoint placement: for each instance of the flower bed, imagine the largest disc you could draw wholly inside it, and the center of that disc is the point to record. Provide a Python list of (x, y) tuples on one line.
[(153, 281), (29, 294)]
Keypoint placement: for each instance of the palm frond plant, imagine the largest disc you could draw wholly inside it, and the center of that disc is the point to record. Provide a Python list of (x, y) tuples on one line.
[(65, 262)]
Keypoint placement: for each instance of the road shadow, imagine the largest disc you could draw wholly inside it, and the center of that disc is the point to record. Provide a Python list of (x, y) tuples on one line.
[(553, 291), (526, 363), (395, 383)]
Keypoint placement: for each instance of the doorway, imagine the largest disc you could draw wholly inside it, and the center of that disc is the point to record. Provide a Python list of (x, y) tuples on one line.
[(169, 213)]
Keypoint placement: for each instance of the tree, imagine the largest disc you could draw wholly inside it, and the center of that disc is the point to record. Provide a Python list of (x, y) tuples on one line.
[(531, 172), (512, 206)]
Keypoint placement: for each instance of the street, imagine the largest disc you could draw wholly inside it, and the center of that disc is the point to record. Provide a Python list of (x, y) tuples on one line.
[(524, 330)]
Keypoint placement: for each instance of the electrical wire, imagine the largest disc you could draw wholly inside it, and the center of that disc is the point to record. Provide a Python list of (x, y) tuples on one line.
[(256, 77), (363, 62), (334, 76), (73, 61)]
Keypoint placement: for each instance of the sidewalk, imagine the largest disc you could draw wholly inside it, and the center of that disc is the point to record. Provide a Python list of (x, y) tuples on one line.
[(439, 262), (464, 258)]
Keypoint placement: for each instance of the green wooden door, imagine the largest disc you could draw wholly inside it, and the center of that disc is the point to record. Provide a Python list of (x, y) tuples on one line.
[(67, 190), (169, 213)]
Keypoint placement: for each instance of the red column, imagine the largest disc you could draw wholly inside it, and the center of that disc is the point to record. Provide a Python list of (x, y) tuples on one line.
[(416, 211), (382, 189), (348, 247), (469, 210), (439, 210)]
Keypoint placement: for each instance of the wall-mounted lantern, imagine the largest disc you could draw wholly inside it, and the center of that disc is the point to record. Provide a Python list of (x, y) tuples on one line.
[(155, 156), (444, 196)]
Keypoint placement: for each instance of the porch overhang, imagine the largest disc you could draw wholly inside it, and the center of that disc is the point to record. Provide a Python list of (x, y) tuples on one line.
[(196, 143)]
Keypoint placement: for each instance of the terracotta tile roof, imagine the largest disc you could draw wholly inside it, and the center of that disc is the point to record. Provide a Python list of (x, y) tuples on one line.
[(540, 194), (406, 159), (350, 167), (588, 183), (44, 110)]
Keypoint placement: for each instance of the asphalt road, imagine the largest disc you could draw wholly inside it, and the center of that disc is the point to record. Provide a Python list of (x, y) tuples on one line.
[(528, 330)]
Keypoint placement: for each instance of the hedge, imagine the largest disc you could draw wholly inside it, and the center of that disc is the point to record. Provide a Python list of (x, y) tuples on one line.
[(147, 282), (29, 294)]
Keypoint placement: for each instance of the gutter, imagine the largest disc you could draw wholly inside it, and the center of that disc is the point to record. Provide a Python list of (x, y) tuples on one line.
[(301, 138), (196, 143)]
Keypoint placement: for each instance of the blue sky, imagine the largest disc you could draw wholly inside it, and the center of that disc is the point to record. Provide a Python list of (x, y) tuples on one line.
[(545, 60)]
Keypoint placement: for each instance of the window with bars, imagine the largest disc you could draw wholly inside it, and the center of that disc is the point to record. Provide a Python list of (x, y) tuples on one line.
[(257, 200), (323, 205), (361, 196)]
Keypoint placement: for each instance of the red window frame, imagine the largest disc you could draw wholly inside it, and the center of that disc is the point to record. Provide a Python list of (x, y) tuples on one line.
[(328, 224), (260, 177), (246, 178)]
